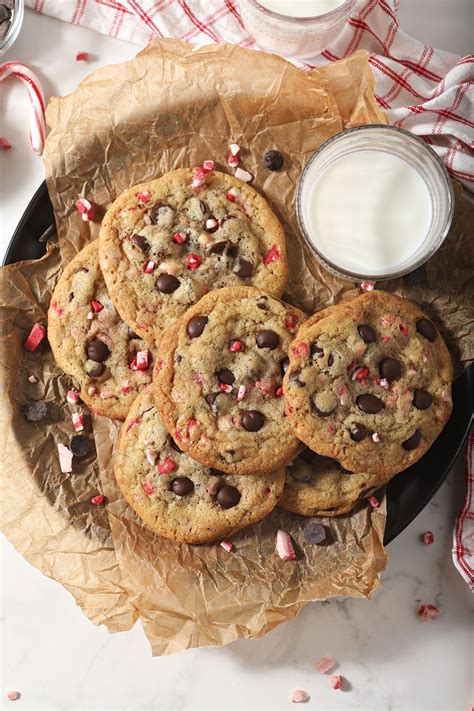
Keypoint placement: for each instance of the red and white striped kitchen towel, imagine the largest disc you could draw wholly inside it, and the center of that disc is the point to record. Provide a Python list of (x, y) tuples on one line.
[(426, 91)]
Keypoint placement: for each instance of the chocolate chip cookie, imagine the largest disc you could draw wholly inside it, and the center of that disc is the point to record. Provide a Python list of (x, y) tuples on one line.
[(319, 486), (91, 342), (218, 380), (165, 243), (369, 383), (177, 497)]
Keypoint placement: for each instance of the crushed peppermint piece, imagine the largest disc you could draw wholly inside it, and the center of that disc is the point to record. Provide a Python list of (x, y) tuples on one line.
[(133, 423), (235, 346), (142, 359), (193, 260), (36, 335), (151, 455), (32, 379), (299, 695), (428, 538), (376, 437), (233, 161), (13, 695), (144, 196), (234, 149), (343, 395), (211, 223), (148, 487), (4, 144), (72, 397), (428, 612), (384, 383), (166, 466), (243, 175), (227, 546), (325, 664), (241, 392), (367, 285), (86, 209), (272, 255), (373, 502), (445, 396), (279, 391), (78, 421), (225, 387), (91, 390), (65, 458), (90, 315), (284, 546), (96, 306), (232, 194), (149, 267), (290, 321), (336, 681), (179, 237), (98, 500), (301, 349), (82, 56), (208, 166), (199, 177), (360, 373)]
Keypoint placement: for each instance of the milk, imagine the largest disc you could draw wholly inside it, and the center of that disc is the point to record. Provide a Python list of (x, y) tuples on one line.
[(301, 8), (369, 212)]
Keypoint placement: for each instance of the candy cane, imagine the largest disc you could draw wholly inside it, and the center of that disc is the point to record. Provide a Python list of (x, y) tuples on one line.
[(36, 96)]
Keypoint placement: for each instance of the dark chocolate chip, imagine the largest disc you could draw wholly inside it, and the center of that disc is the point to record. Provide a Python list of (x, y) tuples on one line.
[(173, 444), (80, 445), (35, 411), (228, 497), (262, 303), (218, 247), (97, 370), (295, 378), (141, 242), (203, 207), (179, 358), (167, 283), (217, 472), (273, 160), (232, 250), (153, 214), (315, 533), (370, 404), (330, 360), (358, 432), (413, 441), (267, 339), (314, 349), (284, 363), (216, 226), (426, 329), (319, 412), (97, 350), (196, 326), (211, 399), (422, 399), (225, 376), (252, 420), (244, 269), (367, 333), (132, 334), (71, 296), (182, 486), (390, 369)]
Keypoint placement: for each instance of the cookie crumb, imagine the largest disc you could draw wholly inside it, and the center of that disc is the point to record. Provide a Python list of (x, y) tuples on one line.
[(4, 144), (65, 458), (36, 335), (298, 696), (86, 209)]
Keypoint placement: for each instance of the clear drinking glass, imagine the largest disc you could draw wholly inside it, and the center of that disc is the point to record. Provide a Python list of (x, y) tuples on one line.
[(15, 26), (401, 144), (289, 36)]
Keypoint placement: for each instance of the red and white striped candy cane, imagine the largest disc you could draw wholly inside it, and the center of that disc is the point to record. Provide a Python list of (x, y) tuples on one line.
[(37, 107)]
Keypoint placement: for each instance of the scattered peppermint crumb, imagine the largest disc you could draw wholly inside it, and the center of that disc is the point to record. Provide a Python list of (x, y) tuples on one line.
[(4, 144), (284, 546), (367, 285), (336, 681), (299, 695), (428, 538), (428, 612), (13, 695), (325, 664), (98, 500), (65, 458), (82, 56), (373, 502), (227, 546)]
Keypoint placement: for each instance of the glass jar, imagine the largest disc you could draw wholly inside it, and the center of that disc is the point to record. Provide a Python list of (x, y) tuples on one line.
[(16, 22), (377, 140), (291, 36)]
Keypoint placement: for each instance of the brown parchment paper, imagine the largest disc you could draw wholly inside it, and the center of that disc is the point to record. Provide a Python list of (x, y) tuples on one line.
[(174, 106)]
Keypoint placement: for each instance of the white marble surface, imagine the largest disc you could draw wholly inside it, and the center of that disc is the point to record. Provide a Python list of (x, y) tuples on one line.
[(392, 660)]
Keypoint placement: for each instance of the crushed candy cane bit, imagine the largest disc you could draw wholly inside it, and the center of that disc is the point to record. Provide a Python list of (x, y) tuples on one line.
[(72, 397), (36, 335), (149, 267), (428, 538), (148, 488), (78, 421), (126, 387), (227, 546), (279, 391), (32, 379), (211, 223), (243, 175), (367, 285), (151, 455), (325, 664), (336, 681), (343, 396), (384, 383), (290, 321), (225, 387), (301, 349), (166, 466), (193, 260), (208, 166), (199, 177), (376, 437), (233, 161), (96, 306), (445, 396), (234, 149), (232, 194), (86, 209), (92, 390), (235, 346), (375, 503), (266, 387), (272, 255), (144, 196), (65, 458), (4, 144), (13, 695), (90, 315), (428, 612), (179, 237), (360, 373), (284, 546), (98, 500), (142, 359), (299, 695), (241, 392), (82, 56)]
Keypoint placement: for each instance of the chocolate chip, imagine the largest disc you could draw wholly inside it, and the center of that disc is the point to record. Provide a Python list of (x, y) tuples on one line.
[(225, 376), (203, 207), (390, 369), (321, 413), (262, 303), (330, 360), (232, 250), (196, 326), (218, 247), (413, 441), (71, 296), (244, 269), (284, 363), (182, 486), (216, 472), (273, 160), (370, 404), (267, 339), (167, 283), (97, 370), (422, 399), (97, 350), (211, 400), (358, 432), (35, 411), (295, 378), (314, 349), (252, 420), (132, 334), (314, 533), (153, 214), (426, 329), (173, 444), (228, 497), (367, 333), (216, 226), (141, 242), (80, 445)]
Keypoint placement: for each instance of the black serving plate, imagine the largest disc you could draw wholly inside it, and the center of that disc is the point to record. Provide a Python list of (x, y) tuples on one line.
[(410, 491)]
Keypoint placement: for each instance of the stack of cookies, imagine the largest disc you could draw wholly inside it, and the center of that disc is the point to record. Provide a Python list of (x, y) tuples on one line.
[(234, 401)]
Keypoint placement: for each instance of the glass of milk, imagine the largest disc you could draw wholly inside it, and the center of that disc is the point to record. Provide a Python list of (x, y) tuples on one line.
[(374, 202), (295, 28)]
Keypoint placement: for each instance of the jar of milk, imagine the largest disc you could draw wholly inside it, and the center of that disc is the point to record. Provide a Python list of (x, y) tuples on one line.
[(295, 28)]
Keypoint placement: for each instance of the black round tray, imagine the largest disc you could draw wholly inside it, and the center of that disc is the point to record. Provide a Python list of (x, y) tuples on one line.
[(410, 491)]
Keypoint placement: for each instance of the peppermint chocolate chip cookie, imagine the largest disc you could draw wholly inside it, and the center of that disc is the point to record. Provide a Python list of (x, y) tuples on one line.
[(165, 243), (90, 341), (369, 383), (177, 497), (218, 380), (319, 486)]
